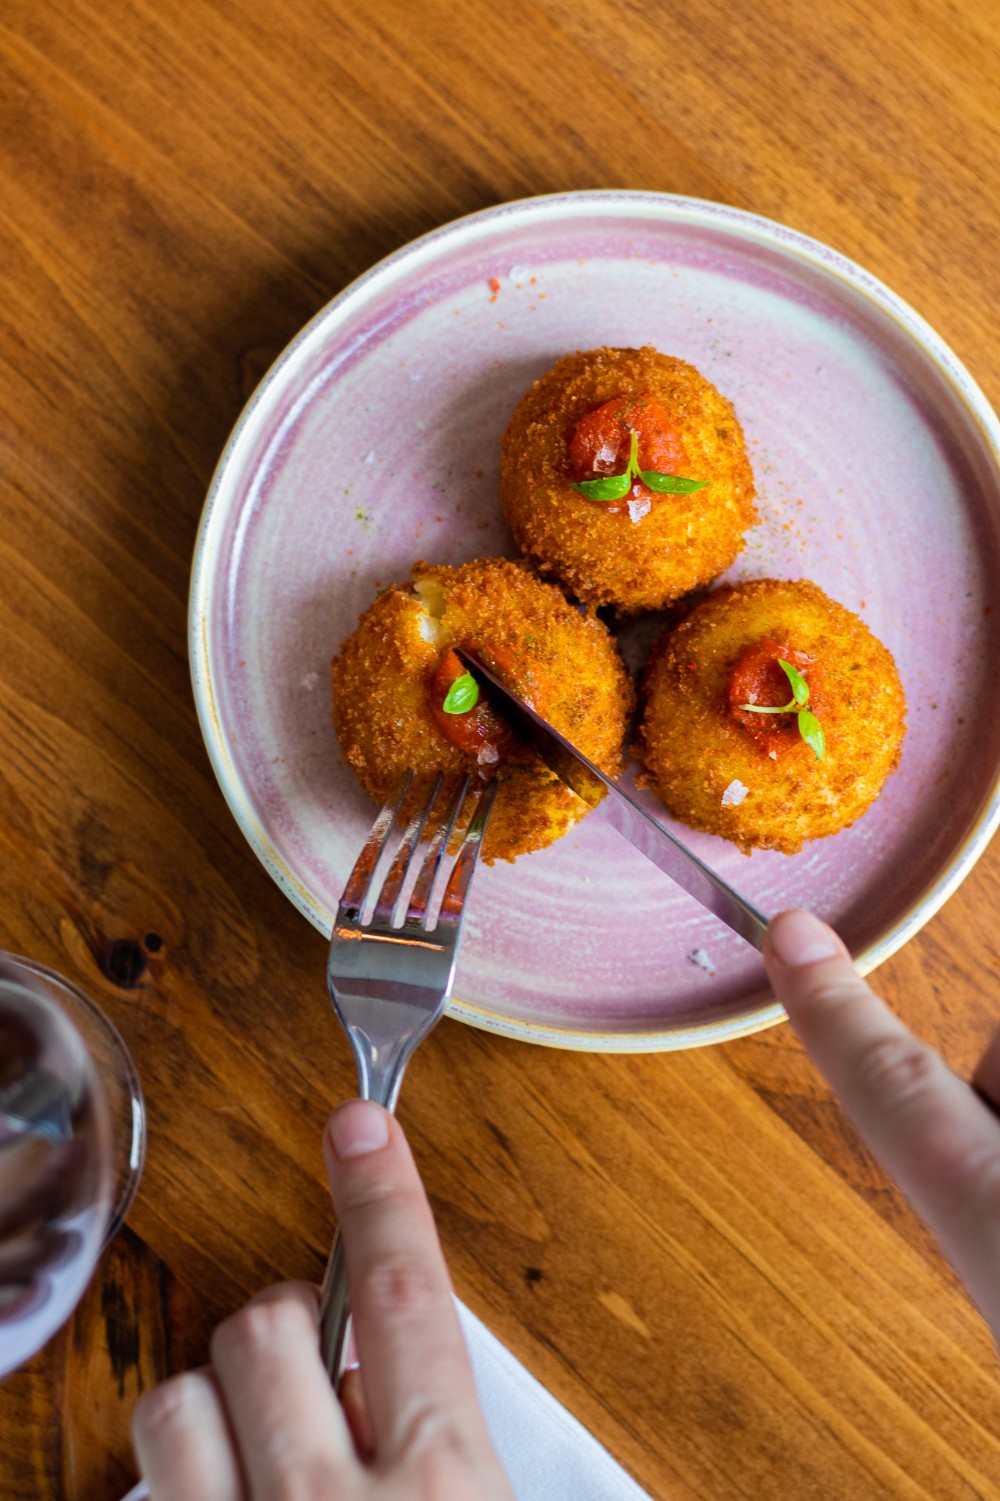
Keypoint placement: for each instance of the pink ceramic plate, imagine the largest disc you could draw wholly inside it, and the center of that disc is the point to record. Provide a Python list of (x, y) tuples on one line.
[(373, 442)]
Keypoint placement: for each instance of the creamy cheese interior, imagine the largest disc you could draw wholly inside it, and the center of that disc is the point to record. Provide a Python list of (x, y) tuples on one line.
[(431, 596)]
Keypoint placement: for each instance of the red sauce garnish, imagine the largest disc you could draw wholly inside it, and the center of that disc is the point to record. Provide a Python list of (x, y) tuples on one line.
[(758, 678), (480, 729), (601, 442)]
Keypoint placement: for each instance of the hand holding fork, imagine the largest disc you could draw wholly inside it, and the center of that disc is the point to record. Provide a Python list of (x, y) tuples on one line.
[(391, 966)]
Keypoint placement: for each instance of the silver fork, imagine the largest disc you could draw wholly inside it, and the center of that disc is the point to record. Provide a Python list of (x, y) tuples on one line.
[(390, 975)]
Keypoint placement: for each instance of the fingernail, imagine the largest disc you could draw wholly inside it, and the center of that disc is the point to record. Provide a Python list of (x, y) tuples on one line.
[(798, 938), (356, 1128)]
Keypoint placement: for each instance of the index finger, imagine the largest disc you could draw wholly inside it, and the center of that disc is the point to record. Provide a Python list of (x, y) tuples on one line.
[(931, 1132), (414, 1364)]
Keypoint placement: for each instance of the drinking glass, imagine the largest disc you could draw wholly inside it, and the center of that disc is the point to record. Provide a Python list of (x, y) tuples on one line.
[(72, 1141)]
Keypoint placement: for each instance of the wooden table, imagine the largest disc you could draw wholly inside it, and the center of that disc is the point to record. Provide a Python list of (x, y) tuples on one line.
[(692, 1251)]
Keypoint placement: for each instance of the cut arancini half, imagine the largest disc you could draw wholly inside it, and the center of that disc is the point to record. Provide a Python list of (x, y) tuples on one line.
[(393, 674)]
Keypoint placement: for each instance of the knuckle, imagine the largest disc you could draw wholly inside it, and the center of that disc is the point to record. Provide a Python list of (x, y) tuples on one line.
[(362, 1195), (964, 1179), (970, 1175), (964, 1186), (986, 1179), (409, 1287), (897, 1069), (256, 1329), (832, 994), (375, 1199), (432, 1446), (166, 1409)]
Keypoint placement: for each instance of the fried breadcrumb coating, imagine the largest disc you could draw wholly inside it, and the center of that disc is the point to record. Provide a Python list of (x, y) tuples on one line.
[(711, 765), (630, 559), (565, 663)]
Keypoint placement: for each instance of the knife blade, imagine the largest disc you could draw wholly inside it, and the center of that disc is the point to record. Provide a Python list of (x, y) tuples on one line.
[(627, 816)]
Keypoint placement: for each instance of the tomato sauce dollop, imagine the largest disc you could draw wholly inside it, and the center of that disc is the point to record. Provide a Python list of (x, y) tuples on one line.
[(480, 731), (602, 441), (758, 678)]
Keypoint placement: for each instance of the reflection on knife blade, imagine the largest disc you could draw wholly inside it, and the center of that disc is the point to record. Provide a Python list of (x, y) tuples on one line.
[(619, 809)]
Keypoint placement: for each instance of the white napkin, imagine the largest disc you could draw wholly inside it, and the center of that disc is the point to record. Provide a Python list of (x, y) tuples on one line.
[(547, 1454)]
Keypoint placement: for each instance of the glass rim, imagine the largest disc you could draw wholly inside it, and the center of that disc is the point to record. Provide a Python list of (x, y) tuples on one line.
[(136, 1146)]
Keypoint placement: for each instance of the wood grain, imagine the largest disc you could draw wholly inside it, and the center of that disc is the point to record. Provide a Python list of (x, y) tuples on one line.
[(694, 1252)]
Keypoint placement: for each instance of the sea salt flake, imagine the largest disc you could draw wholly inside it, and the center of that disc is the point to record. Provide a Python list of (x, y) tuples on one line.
[(488, 756), (703, 960), (637, 509), (309, 681), (518, 273), (773, 755), (370, 456), (734, 794)]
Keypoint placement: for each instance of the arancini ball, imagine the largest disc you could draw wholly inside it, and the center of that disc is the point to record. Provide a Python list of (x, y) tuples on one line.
[(675, 519), (393, 674), (765, 754)]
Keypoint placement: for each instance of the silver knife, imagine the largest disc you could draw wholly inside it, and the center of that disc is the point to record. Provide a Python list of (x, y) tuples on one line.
[(621, 811)]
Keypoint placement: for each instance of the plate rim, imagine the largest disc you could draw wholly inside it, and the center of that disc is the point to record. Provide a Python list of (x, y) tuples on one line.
[(674, 209)]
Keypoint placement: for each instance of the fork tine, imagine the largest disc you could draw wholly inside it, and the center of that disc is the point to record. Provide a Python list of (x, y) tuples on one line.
[(392, 886), (464, 868), (420, 896), (360, 879)]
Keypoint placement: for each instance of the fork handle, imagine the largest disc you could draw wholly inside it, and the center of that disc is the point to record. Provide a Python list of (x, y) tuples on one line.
[(335, 1313), (380, 1079)]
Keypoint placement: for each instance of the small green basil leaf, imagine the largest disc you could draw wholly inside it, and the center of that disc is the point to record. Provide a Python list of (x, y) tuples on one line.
[(462, 696), (800, 688), (812, 733), (608, 487), (670, 484)]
